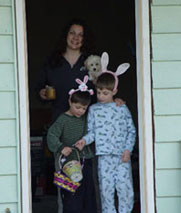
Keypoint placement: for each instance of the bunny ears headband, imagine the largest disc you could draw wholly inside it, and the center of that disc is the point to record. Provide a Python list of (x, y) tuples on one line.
[(120, 70), (82, 86)]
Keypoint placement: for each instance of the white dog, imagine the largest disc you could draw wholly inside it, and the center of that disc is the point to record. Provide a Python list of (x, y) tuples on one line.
[(93, 64)]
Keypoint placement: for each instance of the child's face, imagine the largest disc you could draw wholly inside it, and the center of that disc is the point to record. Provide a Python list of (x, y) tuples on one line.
[(77, 109), (105, 95)]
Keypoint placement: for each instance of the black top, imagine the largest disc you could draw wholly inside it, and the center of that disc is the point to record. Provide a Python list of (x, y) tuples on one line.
[(62, 78)]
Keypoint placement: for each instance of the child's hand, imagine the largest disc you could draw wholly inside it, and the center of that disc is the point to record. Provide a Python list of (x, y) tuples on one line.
[(80, 144), (119, 101), (126, 156), (66, 151)]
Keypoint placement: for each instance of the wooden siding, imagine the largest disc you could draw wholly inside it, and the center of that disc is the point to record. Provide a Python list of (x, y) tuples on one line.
[(166, 75), (5, 3), (8, 133), (166, 47), (9, 146), (169, 151), (4, 158), (7, 80), (166, 101), (161, 13), (167, 128), (168, 205), (5, 20), (166, 2)]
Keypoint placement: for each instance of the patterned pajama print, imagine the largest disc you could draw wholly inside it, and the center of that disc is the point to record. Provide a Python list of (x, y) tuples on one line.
[(115, 175), (113, 131)]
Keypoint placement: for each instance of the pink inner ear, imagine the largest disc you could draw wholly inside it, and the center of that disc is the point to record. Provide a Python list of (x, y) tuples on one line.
[(86, 78), (78, 81)]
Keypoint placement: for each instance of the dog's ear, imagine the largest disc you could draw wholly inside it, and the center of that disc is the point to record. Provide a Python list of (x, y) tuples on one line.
[(86, 63)]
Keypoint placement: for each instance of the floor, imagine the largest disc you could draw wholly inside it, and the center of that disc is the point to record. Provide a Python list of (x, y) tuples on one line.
[(45, 204)]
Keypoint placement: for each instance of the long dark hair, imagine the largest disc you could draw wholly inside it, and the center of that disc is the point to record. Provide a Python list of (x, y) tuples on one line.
[(87, 47)]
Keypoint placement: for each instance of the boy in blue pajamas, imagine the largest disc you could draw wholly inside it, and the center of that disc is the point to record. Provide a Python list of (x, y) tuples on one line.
[(112, 129)]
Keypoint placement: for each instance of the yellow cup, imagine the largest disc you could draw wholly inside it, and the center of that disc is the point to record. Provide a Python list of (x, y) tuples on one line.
[(50, 93)]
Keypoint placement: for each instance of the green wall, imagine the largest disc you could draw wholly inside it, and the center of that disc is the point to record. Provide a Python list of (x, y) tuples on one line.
[(9, 172), (166, 74)]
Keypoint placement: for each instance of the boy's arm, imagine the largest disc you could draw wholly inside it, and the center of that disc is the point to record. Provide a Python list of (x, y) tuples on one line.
[(53, 137), (90, 136), (131, 135)]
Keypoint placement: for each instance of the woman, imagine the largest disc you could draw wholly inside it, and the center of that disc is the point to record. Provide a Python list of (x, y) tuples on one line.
[(66, 64)]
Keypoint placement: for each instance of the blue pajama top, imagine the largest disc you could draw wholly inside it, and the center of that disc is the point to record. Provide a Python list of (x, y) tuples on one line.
[(111, 127)]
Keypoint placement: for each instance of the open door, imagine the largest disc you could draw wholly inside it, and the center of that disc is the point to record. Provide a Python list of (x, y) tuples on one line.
[(116, 33)]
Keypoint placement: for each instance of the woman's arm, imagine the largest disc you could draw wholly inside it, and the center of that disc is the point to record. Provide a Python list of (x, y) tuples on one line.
[(42, 82)]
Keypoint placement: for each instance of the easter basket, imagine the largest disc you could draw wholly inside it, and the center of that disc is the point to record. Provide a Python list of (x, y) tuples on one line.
[(70, 173)]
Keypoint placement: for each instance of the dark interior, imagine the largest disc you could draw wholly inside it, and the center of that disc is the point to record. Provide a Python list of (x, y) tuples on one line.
[(113, 25)]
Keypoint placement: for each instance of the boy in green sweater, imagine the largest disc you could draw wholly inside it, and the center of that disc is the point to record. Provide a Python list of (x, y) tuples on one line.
[(65, 131)]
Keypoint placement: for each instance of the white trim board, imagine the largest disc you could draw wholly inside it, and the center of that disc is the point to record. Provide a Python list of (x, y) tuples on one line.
[(21, 46), (144, 107)]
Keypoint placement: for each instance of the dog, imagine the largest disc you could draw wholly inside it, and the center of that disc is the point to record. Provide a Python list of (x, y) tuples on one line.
[(93, 65)]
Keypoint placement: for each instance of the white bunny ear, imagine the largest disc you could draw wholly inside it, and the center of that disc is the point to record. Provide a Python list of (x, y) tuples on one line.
[(78, 81), (86, 78), (104, 61), (122, 68)]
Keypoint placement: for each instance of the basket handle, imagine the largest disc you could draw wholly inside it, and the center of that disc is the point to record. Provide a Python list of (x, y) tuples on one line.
[(60, 161)]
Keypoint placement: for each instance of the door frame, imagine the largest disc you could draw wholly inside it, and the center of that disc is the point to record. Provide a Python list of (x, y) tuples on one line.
[(144, 90), (24, 124), (145, 113)]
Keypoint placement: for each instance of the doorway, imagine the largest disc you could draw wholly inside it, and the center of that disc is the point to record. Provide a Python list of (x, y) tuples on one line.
[(113, 24)]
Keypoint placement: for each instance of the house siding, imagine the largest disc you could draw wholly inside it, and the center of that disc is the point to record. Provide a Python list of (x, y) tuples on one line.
[(9, 145), (166, 75)]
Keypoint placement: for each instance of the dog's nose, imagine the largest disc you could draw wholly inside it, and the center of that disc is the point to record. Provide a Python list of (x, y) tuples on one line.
[(94, 69)]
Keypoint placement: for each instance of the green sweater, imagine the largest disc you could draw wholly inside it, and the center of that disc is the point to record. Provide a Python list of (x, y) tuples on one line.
[(65, 131)]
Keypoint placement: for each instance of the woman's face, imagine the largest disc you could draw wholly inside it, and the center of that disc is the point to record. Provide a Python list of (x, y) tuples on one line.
[(75, 37)]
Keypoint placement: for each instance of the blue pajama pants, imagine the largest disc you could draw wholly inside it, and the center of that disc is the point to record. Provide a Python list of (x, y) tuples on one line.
[(115, 175)]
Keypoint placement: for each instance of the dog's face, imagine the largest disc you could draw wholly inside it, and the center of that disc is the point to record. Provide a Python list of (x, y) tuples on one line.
[(93, 64)]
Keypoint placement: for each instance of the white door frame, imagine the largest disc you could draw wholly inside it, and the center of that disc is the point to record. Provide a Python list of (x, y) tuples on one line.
[(144, 105), (144, 91), (22, 70)]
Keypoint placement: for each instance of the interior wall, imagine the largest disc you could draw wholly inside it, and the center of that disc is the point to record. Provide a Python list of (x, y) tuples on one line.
[(113, 24)]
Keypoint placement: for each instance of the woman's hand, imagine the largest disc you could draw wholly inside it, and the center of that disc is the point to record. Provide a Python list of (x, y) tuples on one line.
[(42, 93), (119, 101), (66, 151), (80, 144)]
